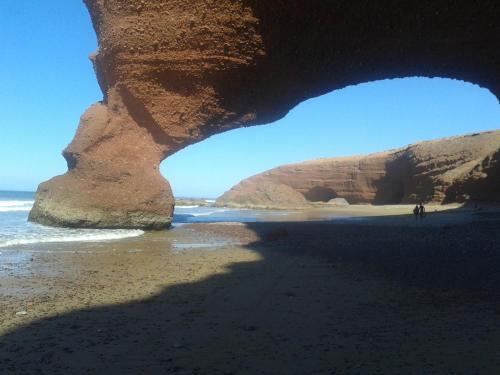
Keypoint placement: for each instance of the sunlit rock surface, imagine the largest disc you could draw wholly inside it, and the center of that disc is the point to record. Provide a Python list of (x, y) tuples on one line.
[(458, 169), (174, 72)]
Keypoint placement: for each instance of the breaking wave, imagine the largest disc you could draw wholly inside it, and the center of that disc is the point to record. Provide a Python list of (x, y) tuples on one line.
[(15, 205), (71, 235), (207, 213)]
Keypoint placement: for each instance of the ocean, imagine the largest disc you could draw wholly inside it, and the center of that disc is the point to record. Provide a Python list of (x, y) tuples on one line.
[(17, 232)]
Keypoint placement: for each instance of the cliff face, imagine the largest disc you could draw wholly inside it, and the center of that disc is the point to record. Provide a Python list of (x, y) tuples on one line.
[(174, 72), (448, 170), (481, 183)]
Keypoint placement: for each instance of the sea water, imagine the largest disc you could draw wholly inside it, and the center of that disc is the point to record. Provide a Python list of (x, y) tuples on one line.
[(16, 230), (211, 214)]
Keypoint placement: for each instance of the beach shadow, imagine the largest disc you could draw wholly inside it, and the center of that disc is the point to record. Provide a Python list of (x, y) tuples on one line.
[(323, 299)]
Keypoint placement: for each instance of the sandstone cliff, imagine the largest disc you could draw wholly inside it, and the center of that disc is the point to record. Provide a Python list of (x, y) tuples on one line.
[(446, 170), (174, 72)]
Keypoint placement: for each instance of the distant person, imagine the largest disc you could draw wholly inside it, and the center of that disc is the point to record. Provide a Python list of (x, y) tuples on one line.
[(416, 211), (421, 211)]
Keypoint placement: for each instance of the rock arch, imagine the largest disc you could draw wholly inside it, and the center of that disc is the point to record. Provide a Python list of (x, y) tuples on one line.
[(174, 72)]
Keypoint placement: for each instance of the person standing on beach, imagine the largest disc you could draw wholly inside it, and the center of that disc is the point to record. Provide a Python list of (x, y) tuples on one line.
[(421, 211), (416, 211)]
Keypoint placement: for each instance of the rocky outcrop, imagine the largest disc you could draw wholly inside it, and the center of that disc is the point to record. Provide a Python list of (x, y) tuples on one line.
[(175, 72), (448, 170), (263, 195), (481, 183), (110, 183)]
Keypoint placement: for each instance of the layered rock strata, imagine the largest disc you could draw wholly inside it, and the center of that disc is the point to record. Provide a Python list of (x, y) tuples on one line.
[(448, 170), (174, 72)]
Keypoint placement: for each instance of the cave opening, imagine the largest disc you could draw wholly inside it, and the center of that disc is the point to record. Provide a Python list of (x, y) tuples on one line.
[(320, 194)]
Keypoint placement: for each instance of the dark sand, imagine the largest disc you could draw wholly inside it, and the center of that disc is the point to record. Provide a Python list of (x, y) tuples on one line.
[(386, 295)]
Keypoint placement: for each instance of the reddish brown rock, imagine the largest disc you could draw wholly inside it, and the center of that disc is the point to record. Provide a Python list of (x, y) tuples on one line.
[(264, 194), (481, 183), (174, 72), (448, 170), (113, 179)]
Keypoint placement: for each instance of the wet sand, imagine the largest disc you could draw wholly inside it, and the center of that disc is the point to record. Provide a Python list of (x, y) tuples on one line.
[(385, 295)]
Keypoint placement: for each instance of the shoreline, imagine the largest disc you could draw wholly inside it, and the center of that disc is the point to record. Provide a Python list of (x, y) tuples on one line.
[(375, 295), (317, 213)]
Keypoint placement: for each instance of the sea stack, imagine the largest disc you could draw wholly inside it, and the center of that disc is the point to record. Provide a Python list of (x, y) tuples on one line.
[(175, 72)]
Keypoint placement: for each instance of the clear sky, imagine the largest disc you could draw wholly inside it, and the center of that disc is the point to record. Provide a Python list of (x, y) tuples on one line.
[(47, 81)]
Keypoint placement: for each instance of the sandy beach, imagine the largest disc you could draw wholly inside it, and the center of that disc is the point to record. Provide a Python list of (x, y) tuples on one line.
[(383, 294)]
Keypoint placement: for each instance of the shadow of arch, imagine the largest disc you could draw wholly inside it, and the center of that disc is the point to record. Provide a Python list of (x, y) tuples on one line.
[(314, 296)]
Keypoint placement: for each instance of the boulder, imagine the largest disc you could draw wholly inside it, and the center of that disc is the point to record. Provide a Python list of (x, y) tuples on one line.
[(341, 202)]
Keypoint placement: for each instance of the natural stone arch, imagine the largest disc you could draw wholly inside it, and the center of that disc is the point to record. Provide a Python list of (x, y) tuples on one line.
[(174, 72)]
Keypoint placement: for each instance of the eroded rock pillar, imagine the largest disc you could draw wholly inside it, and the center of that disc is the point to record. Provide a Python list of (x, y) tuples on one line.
[(162, 68), (113, 178)]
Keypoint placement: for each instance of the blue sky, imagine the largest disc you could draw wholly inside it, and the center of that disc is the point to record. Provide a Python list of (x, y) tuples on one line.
[(47, 82)]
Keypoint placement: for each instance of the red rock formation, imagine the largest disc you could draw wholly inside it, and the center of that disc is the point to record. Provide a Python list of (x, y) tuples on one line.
[(113, 179), (262, 194), (481, 183), (174, 72), (447, 170)]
